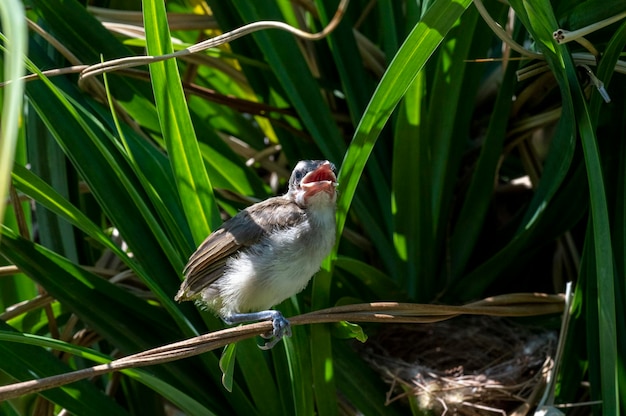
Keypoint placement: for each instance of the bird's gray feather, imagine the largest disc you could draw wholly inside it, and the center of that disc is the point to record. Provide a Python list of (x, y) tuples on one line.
[(208, 262)]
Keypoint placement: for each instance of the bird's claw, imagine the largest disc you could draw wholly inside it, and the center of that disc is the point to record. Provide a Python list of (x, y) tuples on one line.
[(281, 328)]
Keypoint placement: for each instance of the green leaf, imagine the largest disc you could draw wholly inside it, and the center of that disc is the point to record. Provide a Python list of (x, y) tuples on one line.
[(603, 253), (192, 181), (377, 282), (413, 232), (584, 13), (254, 367), (49, 163), (478, 199), (348, 330), (227, 365), (361, 384), (25, 362), (101, 305), (292, 366), (541, 21), (13, 340), (97, 301), (356, 85), (410, 59), (14, 27), (84, 138), (291, 71)]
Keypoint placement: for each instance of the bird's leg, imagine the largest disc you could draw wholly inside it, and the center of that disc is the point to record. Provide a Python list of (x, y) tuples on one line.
[(280, 324)]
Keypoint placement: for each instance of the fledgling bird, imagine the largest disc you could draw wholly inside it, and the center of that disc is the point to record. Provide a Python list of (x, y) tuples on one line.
[(267, 252)]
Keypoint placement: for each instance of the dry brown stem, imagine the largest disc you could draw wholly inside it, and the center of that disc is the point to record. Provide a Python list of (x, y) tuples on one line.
[(521, 304)]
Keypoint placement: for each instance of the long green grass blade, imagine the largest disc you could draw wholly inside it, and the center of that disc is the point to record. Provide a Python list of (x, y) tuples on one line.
[(605, 72), (254, 367), (360, 383), (476, 204), (49, 162), (57, 275), (412, 214), (192, 181), (541, 21), (410, 59), (603, 253), (293, 369), (356, 86), (33, 186), (294, 76), (82, 136), (25, 362), (563, 142), (102, 305), (181, 399), (14, 28), (90, 42)]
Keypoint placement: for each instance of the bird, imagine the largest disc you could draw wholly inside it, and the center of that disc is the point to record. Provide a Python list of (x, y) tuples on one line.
[(267, 252)]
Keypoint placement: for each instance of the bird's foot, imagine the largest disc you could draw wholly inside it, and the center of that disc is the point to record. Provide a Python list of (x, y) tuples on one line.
[(281, 328), (280, 324)]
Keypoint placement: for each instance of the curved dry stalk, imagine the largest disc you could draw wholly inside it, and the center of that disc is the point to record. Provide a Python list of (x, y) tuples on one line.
[(129, 62), (513, 305), (563, 36), (88, 71), (501, 33), (49, 73)]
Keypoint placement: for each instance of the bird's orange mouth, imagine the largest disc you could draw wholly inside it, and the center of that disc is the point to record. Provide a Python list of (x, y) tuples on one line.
[(321, 179)]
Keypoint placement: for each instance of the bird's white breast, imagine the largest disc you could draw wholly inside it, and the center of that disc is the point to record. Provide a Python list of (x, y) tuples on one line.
[(277, 267)]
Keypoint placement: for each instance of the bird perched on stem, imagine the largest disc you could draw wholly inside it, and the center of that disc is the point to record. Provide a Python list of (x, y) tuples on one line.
[(267, 252)]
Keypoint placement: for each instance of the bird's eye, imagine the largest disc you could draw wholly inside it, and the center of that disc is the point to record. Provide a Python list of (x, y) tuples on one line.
[(298, 175)]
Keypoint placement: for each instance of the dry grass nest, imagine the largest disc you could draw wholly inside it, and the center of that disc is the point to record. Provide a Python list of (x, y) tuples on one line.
[(475, 365)]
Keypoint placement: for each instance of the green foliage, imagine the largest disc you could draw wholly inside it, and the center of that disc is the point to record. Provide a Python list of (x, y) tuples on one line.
[(14, 28), (128, 174)]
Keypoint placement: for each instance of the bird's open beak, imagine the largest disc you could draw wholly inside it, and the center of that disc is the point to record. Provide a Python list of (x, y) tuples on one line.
[(322, 179)]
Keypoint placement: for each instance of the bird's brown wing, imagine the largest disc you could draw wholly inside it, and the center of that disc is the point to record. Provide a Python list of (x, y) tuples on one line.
[(207, 263)]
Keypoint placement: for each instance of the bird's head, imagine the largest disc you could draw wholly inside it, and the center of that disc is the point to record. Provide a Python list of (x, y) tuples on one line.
[(313, 182)]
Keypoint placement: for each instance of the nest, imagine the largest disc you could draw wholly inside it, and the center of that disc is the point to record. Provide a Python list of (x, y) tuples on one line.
[(465, 366)]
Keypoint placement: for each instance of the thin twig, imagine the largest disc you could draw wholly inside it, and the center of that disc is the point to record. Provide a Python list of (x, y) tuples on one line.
[(390, 312), (21, 308), (129, 62), (501, 33)]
